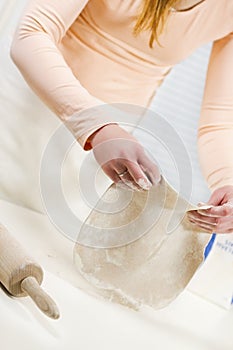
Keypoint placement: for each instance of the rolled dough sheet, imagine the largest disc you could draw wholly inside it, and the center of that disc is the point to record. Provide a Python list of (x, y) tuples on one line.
[(138, 248)]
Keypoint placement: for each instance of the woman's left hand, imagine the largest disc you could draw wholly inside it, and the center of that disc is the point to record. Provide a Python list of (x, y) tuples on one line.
[(218, 219)]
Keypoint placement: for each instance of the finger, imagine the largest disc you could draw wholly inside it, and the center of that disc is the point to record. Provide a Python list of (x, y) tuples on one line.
[(126, 184), (224, 230), (127, 179), (110, 172), (222, 210), (123, 186), (206, 228), (124, 175), (150, 176), (216, 198), (150, 169), (198, 222), (205, 219), (113, 175), (225, 225), (204, 206), (138, 175), (200, 204), (119, 167)]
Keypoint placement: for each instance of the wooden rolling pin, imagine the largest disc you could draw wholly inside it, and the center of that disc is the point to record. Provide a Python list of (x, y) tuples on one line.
[(21, 275)]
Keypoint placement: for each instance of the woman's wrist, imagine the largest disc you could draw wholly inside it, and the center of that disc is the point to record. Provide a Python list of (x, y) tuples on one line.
[(89, 142), (111, 132)]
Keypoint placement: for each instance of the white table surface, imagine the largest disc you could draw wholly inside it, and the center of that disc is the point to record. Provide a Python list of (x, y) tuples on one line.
[(90, 323)]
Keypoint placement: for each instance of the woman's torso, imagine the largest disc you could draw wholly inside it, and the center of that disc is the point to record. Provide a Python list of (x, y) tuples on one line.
[(116, 66)]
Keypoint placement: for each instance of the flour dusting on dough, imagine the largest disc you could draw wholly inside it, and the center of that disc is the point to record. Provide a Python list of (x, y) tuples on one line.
[(154, 268)]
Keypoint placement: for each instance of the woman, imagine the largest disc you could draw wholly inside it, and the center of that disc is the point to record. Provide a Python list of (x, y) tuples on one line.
[(75, 54)]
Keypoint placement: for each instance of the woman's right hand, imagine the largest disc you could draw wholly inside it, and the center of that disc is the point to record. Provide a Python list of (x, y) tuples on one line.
[(123, 158)]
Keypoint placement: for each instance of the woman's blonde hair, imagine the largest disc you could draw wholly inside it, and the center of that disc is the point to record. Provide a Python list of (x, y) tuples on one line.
[(152, 17)]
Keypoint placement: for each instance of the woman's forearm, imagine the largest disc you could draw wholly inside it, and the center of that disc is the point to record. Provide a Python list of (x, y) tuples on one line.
[(215, 133)]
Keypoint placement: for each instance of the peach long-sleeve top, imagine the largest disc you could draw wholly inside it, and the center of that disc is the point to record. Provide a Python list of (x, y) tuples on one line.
[(77, 53)]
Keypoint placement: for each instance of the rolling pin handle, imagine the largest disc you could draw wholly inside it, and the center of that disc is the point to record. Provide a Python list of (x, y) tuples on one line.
[(45, 303)]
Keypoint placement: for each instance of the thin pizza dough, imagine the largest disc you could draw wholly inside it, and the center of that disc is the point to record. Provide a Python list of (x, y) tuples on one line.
[(138, 248)]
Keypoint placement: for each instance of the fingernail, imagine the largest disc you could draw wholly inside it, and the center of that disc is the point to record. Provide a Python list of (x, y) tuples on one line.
[(131, 185), (146, 185), (158, 181), (201, 204)]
